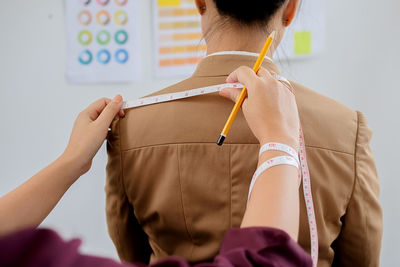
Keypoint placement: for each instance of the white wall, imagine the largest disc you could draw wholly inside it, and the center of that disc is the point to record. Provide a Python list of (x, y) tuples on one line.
[(360, 68)]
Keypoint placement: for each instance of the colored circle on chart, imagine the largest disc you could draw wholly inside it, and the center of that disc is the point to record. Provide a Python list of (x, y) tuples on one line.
[(103, 56), (121, 17), (103, 17), (121, 56), (121, 37), (84, 17), (85, 37), (103, 37), (120, 2), (85, 57), (102, 2), (85, 2)]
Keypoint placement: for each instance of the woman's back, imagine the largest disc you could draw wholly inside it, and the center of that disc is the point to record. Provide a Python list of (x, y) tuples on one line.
[(167, 176)]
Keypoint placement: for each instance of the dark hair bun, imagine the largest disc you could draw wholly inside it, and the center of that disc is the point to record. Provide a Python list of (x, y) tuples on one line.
[(249, 11)]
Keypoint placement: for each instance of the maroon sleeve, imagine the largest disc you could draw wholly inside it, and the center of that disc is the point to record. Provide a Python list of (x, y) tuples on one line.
[(241, 247), (261, 246), (42, 247)]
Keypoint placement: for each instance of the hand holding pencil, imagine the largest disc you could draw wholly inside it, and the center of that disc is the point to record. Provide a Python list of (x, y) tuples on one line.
[(270, 108), (243, 94)]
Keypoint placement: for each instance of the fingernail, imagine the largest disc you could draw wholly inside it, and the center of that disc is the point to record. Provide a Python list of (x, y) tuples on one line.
[(117, 99)]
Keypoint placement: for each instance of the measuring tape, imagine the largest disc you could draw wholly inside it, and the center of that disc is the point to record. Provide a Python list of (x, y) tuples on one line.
[(179, 95), (302, 153)]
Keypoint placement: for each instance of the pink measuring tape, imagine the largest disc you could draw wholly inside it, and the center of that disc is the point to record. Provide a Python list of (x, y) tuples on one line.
[(302, 152)]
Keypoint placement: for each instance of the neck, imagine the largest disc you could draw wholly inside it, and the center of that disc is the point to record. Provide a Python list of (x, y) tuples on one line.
[(238, 40)]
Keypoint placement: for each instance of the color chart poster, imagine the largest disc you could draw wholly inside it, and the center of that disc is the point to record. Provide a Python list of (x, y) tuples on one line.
[(305, 37), (103, 41), (177, 37)]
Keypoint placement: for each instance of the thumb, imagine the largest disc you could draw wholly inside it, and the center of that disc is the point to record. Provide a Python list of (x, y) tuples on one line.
[(230, 93), (110, 111), (244, 75)]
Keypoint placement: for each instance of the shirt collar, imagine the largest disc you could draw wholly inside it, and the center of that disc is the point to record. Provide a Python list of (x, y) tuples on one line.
[(223, 63), (243, 53)]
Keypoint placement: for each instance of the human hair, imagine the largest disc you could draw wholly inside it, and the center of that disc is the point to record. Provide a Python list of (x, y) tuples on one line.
[(249, 12)]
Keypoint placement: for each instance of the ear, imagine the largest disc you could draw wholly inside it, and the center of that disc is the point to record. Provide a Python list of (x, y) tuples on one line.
[(290, 12), (201, 6)]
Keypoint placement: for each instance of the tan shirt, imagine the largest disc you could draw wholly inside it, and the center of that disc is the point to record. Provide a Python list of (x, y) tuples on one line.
[(172, 191)]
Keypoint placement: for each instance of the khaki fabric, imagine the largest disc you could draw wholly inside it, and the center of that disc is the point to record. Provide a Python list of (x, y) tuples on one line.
[(172, 191)]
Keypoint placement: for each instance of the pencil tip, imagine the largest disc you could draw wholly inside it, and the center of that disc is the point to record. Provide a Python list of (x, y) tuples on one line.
[(272, 35)]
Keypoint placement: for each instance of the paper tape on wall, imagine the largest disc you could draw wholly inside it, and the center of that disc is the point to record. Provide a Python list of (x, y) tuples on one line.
[(306, 179)]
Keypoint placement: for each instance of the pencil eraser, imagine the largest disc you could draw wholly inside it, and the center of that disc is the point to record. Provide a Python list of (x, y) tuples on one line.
[(221, 140)]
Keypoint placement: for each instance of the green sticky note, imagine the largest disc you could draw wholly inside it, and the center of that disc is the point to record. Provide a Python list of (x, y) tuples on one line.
[(302, 43)]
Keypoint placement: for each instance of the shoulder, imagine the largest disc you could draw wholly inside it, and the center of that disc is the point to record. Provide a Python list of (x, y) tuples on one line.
[(193, 82), (326, 123), (174, 121), (182, 85)]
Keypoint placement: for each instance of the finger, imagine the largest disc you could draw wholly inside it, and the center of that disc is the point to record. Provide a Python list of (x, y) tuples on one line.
[(94, 109), (230, 93), (264, 73), (283, 81), (110, 111), (243, 75)]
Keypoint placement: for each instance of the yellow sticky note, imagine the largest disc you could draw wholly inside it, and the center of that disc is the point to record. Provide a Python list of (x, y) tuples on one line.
[(303, 43), (167, 3)]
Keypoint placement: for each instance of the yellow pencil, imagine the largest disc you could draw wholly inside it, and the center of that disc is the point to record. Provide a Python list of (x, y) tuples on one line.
[(243, 94)]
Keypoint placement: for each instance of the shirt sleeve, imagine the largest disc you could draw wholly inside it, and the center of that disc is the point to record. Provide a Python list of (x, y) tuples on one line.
[(256, 246), (125, 231), (359, 242), (260, 246)]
